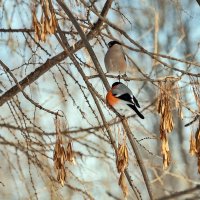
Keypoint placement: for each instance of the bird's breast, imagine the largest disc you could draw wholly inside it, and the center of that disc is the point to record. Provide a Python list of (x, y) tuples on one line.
[(111, 100)]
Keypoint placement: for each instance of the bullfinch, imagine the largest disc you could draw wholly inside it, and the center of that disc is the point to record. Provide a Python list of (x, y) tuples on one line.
[(122, 99), (115, 60)]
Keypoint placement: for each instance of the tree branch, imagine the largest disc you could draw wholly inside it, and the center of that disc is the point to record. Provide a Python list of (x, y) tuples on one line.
[(25, 95), (198, 1), (26, 30), (181, 193)]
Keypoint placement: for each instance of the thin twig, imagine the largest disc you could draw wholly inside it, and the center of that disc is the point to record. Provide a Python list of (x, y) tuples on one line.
[(181, 193), (194, 120), (111, 195), (26, 30), (25, 95)]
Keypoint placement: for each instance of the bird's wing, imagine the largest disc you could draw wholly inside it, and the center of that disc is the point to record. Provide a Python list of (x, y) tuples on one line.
[(123, 54), (106, 61), (126, 90), (125, 97), (110, 60)]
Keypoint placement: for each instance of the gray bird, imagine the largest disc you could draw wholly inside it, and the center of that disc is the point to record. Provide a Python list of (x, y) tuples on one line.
[(122, 99), (115, 60)]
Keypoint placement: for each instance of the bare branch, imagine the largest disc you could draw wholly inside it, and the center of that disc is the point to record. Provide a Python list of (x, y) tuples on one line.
[(181, 193), (198, 1)]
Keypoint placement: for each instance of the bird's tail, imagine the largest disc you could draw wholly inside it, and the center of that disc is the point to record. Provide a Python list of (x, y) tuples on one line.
[(136, 110)]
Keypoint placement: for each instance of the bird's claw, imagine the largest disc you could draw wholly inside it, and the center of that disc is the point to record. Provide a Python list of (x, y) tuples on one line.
[(118, 77), (124, 76)]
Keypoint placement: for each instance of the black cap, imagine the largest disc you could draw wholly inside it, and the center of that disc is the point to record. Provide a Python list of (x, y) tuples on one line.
[(116, 83), (111, 43)]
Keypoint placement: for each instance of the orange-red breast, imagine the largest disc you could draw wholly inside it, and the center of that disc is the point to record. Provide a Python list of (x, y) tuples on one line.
[(115, 60), (121, 98)]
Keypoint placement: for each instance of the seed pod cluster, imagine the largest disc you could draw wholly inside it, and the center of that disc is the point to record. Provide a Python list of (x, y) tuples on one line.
[(61, 154), (122, 163), (169, 98), (47, 24)]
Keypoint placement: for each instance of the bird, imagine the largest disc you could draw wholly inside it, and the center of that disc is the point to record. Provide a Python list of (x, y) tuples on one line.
[(115, 60), (122, 99)]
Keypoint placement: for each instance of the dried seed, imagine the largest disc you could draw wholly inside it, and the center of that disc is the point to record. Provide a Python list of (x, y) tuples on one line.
[(193, 150), (123, 185), (122, 158)]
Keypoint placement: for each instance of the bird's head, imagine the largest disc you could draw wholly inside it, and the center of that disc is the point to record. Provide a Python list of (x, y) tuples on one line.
[(111, 43), (115, 84)]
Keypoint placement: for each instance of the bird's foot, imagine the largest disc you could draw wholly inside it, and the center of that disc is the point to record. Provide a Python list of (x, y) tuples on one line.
[(119, 77), (124, 75)]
